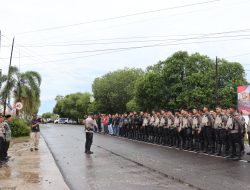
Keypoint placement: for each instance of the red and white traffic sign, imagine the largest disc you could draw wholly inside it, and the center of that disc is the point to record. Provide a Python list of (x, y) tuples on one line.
[(19, 105)]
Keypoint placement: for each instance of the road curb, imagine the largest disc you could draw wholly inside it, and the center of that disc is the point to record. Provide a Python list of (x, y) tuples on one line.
[(58, 167)]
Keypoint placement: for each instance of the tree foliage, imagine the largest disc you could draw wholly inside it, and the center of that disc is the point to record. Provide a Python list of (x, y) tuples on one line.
[(187, 81), (23, 87), (114, 90), (49, 115), (72, 106), (181, 81)]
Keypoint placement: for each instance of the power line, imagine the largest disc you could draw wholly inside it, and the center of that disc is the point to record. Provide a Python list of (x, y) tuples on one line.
[(125, 42), (104, 53), (115, 50), (162, 42), (200, 9), (238, 55), (30, 54), (155, 36), (117, 17), (142, 46), (138, 47)]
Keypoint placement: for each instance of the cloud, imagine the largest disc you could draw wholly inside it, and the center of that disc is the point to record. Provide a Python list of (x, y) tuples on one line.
[(73, 75)]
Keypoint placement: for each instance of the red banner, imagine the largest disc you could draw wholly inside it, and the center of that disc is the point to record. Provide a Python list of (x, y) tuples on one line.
[(244, 99)]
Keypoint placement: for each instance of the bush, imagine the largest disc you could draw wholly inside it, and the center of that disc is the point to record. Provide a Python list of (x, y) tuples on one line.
[(20, 127)]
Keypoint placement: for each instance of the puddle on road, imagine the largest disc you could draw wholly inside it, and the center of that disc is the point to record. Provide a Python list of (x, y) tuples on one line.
[(23, 166), (30, 177)]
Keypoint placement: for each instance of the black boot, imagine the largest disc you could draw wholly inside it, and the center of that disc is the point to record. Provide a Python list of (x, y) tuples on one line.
[(199, 147), (230, 153), (238, 152), (218, 150)]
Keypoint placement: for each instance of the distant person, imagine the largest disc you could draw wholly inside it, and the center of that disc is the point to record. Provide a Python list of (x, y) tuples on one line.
[(95, 123), (105, 124), (7, 128), (110, 121), (2, 140), (99, 123), (35, 133), (89, 129), (248, 132)]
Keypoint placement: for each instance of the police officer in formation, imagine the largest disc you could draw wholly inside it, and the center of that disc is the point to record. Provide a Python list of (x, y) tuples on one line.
[(220, 132)]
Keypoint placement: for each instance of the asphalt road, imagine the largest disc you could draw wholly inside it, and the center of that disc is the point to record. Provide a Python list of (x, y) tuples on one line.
[(119, 163)]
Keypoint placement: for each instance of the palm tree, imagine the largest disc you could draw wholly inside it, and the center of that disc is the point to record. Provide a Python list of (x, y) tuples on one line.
[(9, 83), (28, 91), (24, 87)]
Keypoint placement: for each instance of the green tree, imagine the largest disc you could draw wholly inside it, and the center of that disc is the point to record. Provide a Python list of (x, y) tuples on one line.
[(28, 91), (133, 106), (231, 75), (73, 106), (49, 115), (187, 81), (114, 90), (93, 108), (8, 84), (24, 87)]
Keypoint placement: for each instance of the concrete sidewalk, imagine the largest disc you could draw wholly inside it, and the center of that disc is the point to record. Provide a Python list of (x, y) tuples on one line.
[(30, 170)]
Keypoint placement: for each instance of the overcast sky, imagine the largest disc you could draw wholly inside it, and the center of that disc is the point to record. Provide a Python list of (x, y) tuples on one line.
[(70, 43)]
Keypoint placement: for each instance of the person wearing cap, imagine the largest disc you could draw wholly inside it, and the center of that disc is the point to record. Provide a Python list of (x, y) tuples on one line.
[(196, 130), (7, 128), (35, 133), (89, 128), (234, 125), (2, 140), (207, 122)]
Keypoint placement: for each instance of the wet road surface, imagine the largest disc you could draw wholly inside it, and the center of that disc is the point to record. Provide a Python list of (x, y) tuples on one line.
[(119, 163)]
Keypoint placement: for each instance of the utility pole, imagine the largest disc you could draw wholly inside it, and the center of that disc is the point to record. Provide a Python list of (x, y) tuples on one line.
[(8, 80), (217, 81)]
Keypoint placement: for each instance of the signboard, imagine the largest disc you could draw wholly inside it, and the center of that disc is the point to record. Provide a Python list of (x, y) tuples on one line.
[(244, 99), (19, 105)]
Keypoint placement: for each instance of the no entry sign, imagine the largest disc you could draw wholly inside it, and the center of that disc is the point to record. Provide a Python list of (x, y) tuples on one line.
[(19, 105)]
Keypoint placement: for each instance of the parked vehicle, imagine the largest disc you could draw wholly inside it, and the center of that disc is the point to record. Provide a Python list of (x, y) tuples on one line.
[(61, 121)]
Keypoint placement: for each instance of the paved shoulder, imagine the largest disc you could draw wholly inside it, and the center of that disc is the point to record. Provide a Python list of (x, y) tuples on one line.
[(31, 170)]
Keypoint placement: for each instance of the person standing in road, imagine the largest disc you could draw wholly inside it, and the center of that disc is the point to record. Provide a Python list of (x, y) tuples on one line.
[(171, 129), (234, 124), (156, 128), (105, 124), (248, 133), (7, 128), (115, 124), (220, 131), (144, 126), (35, 133), (196, 128), (89, 128), (178, 124), (99, 123), (151, 127), (186, 126), (110, 126), (207, 123), (161, 126)]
